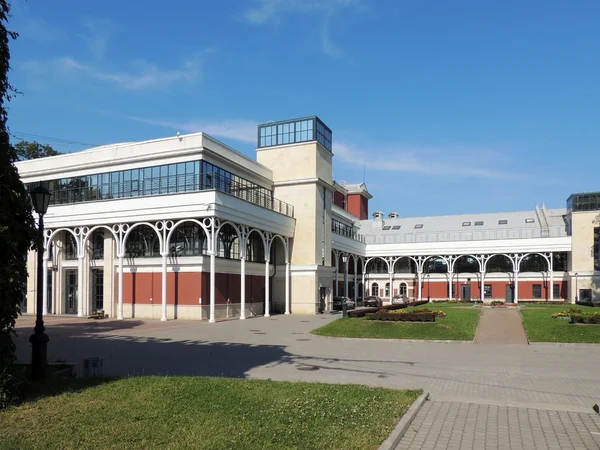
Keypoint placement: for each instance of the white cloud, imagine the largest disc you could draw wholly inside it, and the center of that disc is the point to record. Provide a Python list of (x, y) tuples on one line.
[(443, 162), (38, 30), (146, 76), (273, 12), (238, 130), (97, 34)]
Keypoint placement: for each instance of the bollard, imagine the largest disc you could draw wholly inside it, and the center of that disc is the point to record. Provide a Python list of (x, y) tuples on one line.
[(344, 307)]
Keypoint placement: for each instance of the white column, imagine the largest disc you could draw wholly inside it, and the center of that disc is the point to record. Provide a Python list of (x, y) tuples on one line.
[(516, 299), (551, 279), (212, 287), (450, 285), (482, 286), (337, 270), (120, 305), (267, 303), (391, 287), (243, 288), (419, 274), (287, 287), (362, 294), (163, 314), (80, 287), (45, 286)]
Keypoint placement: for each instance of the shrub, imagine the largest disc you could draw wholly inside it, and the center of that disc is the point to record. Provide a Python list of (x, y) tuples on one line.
[(590, 319), (395, 306), (497, 303), (354, 313), (405, 316)]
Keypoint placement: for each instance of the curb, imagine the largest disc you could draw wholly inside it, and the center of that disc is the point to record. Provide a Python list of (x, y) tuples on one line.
[(394, 438)]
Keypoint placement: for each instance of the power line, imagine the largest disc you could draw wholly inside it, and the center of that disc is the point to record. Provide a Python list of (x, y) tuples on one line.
[(17, 134)]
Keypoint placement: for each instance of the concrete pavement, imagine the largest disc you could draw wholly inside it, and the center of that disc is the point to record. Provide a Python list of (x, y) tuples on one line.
[(546, 377)]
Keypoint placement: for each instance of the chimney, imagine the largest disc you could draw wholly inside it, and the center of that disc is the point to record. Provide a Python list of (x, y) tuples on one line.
[(393, 215), (378, 219)]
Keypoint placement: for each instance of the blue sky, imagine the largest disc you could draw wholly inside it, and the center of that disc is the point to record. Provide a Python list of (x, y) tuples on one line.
[(447, 107)]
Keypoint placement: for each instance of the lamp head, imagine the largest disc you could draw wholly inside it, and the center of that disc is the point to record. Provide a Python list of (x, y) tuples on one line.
[(40, 197)]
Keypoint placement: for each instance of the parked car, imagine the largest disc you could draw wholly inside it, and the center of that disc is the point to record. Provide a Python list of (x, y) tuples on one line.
[(399, 299), (372, 300), (337, 303)]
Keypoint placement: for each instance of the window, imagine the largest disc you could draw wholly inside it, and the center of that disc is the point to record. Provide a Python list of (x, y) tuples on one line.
[(403, 289), (387, 227), (556, 291), (479, 223), (419, 225), (396, 227), (70, 247), (387, 289), (529, 221), (537, 291), (503, 222), (98, 244), (585, 295), (375, 289), (466, 224), (487, 291)]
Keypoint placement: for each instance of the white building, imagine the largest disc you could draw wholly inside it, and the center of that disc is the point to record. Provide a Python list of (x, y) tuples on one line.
[(187, 227)]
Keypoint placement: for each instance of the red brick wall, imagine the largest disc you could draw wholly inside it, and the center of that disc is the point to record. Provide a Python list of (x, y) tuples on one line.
[(358, 205), (439, 289), (185, 288), (338, 199)]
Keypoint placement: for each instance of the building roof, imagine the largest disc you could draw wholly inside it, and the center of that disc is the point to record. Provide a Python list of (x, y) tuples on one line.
[(360, 188), (506, 225)]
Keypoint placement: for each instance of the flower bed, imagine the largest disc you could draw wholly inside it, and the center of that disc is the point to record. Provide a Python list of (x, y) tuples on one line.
[(401, 315), (588, 319), (354, 313)]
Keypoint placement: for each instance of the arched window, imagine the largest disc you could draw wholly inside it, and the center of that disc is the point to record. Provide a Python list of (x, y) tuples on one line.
[(387, 289), (375, 289), (403, 289)]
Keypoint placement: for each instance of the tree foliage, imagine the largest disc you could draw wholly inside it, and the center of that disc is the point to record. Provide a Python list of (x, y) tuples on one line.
[(33, 150), (17, 227)]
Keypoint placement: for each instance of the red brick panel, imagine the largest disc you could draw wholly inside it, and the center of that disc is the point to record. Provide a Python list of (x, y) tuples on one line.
[(358, 205), (338, 199)]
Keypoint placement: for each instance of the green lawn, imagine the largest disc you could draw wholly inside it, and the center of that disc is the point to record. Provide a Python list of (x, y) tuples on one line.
[(541, 327), (208, 413), (460, 324)]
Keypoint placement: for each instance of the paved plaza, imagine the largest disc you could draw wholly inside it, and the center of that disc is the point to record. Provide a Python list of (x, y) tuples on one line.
[(533, 386)]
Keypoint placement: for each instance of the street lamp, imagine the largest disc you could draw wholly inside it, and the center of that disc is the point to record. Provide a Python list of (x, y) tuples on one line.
[(40, 197), (344, 299), (576, 288), (428, 287)]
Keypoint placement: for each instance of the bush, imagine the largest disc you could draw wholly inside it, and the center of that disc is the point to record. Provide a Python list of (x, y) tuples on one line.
[(405, 316), (395, 306), (354, 313), (497, 303), (589, 319)]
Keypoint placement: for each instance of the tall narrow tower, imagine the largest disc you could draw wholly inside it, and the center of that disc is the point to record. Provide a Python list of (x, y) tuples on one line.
[(299, 153)]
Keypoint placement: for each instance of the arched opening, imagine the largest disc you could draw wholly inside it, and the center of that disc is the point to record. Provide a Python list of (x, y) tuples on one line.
[(255, 249), (405, 265), (188, 239), (228, 244), (403, 289), (468, 266), (498, 289), (377, 265), (142, 242), (435, 264), (533, 263), (375, 289), (277, 281), (387, 289), (97, 244)]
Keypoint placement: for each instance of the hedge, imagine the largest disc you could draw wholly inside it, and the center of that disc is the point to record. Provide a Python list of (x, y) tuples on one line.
[(591, 319), (407, 317)]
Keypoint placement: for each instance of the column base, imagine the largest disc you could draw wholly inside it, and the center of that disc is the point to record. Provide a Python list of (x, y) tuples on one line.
[(211, 320), (163, 319)]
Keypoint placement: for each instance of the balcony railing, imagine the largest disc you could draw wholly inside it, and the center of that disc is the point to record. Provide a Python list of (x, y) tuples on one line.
[(340, 229), (68, 194), (480, 235)]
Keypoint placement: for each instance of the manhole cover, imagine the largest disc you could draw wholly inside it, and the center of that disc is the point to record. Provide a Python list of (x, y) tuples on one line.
[(307, 368), (303, 339), (254, 330), (297, 333), (305, 321), (272, 319), (260, 333)]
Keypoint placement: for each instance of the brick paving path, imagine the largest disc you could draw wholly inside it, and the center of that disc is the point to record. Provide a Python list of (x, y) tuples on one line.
[(500, 326), (454, 425)]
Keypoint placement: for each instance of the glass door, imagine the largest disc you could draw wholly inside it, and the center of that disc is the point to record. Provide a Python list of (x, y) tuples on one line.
[(97, 290), (70, 291)]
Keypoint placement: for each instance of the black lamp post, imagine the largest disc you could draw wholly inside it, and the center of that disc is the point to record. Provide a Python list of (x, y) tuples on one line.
[(40, 197), (576, 288), (428, 287)]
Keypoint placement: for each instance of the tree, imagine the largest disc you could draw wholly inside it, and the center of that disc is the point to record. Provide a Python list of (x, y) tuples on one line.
[(33, 150), (17, 227)]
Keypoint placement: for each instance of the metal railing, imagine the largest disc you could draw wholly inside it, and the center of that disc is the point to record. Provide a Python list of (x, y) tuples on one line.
[(480, 235), (67, 194), (342, 229)]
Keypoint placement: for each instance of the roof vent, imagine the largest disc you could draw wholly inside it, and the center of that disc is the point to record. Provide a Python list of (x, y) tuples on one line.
[(378, 215), (393, 215)]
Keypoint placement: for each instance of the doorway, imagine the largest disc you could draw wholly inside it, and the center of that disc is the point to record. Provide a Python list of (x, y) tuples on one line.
[(510, 293), (71, 291), (466, 293), (97, 290)]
